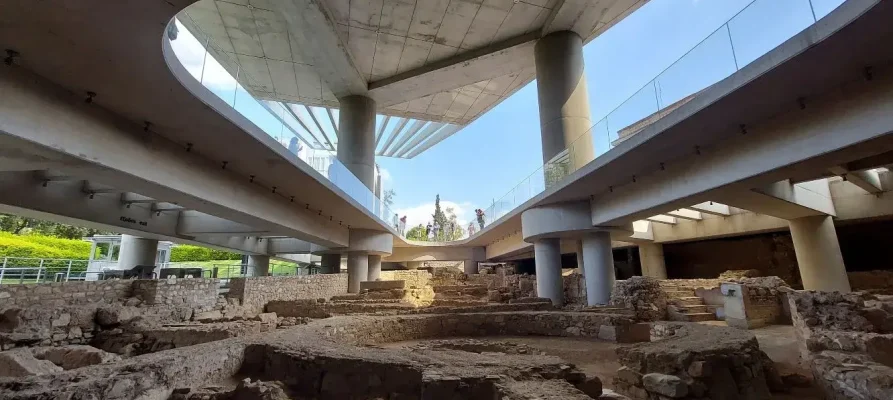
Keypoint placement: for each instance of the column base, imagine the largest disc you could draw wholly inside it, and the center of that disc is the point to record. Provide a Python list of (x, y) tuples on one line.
[(549, 284)]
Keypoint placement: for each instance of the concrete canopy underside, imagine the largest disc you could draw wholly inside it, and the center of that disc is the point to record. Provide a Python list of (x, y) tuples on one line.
[(434, 60)]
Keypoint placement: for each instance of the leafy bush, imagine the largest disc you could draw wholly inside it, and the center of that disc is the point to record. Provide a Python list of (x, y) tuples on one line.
[(37, 246), (184, 253)]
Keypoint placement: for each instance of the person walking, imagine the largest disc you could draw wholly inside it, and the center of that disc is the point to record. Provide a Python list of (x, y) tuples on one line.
[(402, 228), (470, 229), (480, 217), (436, 229), (428, 231)]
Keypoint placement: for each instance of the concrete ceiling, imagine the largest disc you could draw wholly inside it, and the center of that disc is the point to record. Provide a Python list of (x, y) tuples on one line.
[(435, 60)]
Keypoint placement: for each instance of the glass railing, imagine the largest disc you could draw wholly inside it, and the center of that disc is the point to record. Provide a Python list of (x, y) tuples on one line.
[(217, 71), (755, 30)]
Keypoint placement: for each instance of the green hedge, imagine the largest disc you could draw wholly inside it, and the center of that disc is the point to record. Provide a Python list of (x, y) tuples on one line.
[(37, 246), (184, 253)]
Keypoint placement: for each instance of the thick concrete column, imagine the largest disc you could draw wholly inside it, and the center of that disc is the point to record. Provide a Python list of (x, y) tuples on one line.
[(470, 267), (356, 137), (651, 257), (258, 265), (374, 268), (563, 98), (578, 245), (598, 263), (818, 254), (136, 251), (547, 256), (357, 270), (330, 263)]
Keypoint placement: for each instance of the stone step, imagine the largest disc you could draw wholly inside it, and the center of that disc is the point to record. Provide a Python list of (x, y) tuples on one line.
[(694, 309), (698, 317), (676, 294), (687, 301), (457, 303), (367, 301), (460, 288)]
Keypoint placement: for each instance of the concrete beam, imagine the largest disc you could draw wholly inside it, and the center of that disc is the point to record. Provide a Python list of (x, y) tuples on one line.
[(436, 253), (684, 213), (85, 140), (65, 202), (312, 25), (469, 67), (194, 223), (785, 200), (846, 124), (287, 246), (662, 219), (710, 207), (868, 180)]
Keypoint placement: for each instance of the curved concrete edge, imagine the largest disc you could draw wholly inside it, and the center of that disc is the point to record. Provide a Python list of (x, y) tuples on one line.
[(366, 241), (565, 220)]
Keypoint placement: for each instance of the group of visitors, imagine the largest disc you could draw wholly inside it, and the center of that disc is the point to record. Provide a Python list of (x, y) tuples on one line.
[(400, 224), (480, 217)]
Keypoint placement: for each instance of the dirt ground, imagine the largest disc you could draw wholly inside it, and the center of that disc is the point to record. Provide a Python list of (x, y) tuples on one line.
[(595, 357)]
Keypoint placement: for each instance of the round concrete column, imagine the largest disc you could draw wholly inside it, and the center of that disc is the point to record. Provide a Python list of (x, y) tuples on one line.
[(563, 97), (357, 270), (651, 256), (598, 263), (547, 256), (258, 265), (136, 251), (470, 267), (578, 246), (356, 137), (818, 254), (330, 263), (374, 267)]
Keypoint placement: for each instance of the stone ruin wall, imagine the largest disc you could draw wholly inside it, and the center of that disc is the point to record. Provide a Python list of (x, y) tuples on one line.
[(64, 313), (877, 282), (255, 292), (847, 339), (57, 294), (200, 294)]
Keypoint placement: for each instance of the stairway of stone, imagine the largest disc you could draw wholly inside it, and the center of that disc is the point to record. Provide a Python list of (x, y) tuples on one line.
[(459, 295), (684, 305)]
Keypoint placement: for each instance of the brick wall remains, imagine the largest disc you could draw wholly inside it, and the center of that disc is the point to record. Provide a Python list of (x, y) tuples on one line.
[(198, 293), (256, 292), (57, 294)]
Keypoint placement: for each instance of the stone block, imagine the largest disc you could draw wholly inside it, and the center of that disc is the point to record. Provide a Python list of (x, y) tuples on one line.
[(267, 318), (20, 362), (382, 285), (668, 385)]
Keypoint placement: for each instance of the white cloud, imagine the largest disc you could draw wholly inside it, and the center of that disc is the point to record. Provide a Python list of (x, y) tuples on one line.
[(422, 213), (385, 175)]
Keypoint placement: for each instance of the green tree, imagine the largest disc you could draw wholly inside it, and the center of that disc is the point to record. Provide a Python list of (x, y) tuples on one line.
[(416, 233), (388, 198), (21, 225), (452, 230), (440, 219)]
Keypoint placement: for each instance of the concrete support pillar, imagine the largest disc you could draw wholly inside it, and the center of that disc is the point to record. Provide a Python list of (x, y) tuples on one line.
[(547, 256), (470, 267), (818, 254), (357, 270), (330, 263), (356, 137), (563, 97), (598, 263), (651, 257), (578, 245), (136, 251), (374, 268), (258, 265)]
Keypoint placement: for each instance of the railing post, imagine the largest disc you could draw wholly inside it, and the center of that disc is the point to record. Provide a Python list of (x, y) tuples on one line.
[(3, 270), (68, 271), (39, 269)]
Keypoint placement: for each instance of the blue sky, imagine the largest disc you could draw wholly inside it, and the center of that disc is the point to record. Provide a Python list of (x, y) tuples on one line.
[(487, 159)]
